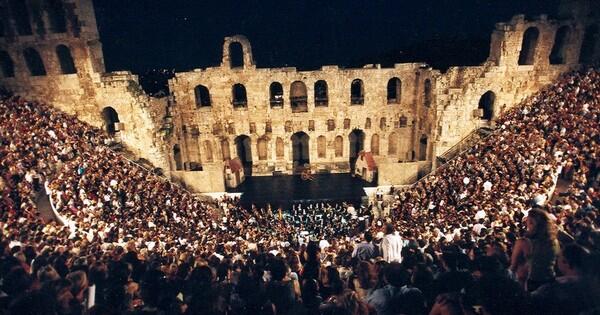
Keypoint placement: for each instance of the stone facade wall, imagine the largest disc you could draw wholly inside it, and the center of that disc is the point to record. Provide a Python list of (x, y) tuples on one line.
[(462, 87), (222, 122), (405, 134)]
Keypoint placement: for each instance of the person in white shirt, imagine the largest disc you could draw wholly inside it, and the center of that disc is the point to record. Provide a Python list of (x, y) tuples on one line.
[(391, 245), (480, 215)]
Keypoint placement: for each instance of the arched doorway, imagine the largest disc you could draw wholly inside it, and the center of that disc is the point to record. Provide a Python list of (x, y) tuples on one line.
[(111, 117), (244, 152), (300, 149), (357, 144), (486, 103)]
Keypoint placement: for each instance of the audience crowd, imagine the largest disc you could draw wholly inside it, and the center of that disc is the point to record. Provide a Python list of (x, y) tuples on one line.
[(491, 232)]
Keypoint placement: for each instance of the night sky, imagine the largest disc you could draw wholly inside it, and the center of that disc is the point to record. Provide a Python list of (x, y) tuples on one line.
[(140, 35)]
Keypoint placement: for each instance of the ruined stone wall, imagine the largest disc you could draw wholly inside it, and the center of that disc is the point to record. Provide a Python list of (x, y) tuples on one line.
[(222, 122), (432, 125), (461, 88), (70, 73), (432, 112)]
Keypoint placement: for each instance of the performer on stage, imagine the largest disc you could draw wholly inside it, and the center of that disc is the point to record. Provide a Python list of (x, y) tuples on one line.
[(306, 174)]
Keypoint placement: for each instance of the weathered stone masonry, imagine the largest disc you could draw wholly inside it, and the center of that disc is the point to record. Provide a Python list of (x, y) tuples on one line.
[(276, 119)]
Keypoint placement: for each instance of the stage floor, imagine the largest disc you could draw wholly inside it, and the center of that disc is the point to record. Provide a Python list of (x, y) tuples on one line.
[(286, 190)]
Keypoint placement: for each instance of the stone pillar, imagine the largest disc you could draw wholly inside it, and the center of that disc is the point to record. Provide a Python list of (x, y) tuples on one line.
[(254, 149)]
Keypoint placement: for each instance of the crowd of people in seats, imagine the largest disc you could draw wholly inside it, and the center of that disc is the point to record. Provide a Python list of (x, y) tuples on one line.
[(483, 235)]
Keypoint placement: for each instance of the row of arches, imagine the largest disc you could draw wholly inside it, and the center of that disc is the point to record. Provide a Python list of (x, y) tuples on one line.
[(300, 143), (35, 63), (23, 16), (299, 94), (562, 40)]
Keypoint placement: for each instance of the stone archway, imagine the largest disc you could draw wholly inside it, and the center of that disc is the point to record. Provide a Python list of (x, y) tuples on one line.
[(357, 144), (486, 104), (300, 148), (111, 117), (244, 152), (529, 46)]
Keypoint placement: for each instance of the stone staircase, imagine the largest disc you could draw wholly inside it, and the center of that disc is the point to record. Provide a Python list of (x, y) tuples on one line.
[(467, 142)]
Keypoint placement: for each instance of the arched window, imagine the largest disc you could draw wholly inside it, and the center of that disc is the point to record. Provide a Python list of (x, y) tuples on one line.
[(375, 144), (357, 92), (276, 94), (321, 147), (590, 42), (20, 15), (34, 62), (298, 97), (321, 93), (67, 66), (559, 49), (486, 105), (368, 123), (261, 146), (202, 96), (177, 158), (239, 95), (394, 91), (393, 144), (56, 16), (236, 55), (6, 65), (208, 152), (529, 45), (403, 121), (339, 146), (279, 150), (427, 93)]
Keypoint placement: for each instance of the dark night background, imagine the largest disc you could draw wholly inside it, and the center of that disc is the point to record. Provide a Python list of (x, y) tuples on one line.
[(145, 35)]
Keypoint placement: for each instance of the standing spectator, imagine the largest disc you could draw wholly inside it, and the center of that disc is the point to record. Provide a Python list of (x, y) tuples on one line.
[(391, 246), (534, 256), (365, 250)]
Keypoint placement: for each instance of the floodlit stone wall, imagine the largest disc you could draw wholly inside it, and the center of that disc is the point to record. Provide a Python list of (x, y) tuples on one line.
[(268, 120), (278, 120), (59, 60)]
